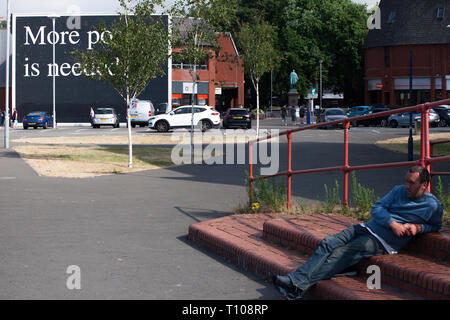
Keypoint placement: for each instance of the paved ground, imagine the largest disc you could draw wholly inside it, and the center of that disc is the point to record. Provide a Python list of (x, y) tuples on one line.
[(127, 233)]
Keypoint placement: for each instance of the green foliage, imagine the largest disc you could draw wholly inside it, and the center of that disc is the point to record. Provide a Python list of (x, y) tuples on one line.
[(270, 197), (257, 42), (332, 197), (443, 196), (363, 199), (195, 25), (135, 52), (333, 31)]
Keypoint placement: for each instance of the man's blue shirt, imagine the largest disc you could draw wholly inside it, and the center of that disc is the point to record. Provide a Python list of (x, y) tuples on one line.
[(396, 206)]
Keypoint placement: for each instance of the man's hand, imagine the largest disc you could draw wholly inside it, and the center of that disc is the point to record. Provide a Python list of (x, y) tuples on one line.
[(399, 229), (412, 229)]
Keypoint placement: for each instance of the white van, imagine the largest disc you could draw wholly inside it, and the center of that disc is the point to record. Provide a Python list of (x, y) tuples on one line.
[(140, 112)]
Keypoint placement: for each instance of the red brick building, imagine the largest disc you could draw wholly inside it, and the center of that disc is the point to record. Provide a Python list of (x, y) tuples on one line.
[(220, 83), (409, 25)]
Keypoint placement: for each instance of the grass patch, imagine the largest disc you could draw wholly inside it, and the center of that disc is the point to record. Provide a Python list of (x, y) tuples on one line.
[(88, 161)]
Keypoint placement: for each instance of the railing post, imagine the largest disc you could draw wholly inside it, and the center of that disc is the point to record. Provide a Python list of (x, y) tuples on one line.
[(422, 138), (427, 140), (345, 187), (250, 178), (289, 169)]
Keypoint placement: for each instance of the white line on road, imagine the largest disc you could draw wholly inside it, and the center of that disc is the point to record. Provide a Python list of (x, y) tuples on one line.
[(376, 131), (7, 178)]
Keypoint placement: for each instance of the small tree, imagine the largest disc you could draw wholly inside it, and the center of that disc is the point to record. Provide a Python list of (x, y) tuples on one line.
[(256, 41), (136, 51), (194, 31)]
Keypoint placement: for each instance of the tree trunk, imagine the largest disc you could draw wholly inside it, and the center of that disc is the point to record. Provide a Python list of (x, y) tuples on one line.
[(194, 87), (257, 108), (130, 145)]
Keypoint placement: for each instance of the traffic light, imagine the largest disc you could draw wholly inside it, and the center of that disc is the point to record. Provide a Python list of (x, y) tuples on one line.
[(313, 91)]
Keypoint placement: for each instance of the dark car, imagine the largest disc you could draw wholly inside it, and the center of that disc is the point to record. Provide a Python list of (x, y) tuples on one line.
[(378, 121), (237, 117), (38, 119), (444, 115)]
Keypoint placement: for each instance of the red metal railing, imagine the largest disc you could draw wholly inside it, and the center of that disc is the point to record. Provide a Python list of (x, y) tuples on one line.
[(426, 160)]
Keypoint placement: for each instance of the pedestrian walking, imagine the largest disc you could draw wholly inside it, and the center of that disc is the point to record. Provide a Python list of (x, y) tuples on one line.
[(283, 116), (14, 118), (1, 118), (293, 116)]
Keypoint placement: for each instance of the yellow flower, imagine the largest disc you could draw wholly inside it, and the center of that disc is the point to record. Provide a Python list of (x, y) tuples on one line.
[(255, 206)]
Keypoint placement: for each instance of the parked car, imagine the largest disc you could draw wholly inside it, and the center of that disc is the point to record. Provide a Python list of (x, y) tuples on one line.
[(38, 119), (402, 119), (140, 112), (206, 116), (378, 121), (357, 111), (105, 117), (237, 117), (331, 114), (444, 115)]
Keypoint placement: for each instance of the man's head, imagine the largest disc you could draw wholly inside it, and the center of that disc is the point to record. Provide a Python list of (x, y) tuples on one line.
[(416, 181)]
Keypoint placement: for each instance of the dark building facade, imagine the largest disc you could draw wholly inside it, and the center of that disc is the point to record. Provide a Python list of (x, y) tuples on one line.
[(417, 26)]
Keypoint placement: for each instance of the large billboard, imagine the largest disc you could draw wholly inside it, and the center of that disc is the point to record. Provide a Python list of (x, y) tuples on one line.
[(75, 94)]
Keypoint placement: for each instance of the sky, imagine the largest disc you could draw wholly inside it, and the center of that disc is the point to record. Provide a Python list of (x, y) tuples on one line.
[(86, 6)]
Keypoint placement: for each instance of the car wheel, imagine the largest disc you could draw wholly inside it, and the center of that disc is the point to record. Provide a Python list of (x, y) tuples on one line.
[(384, 123), (206, 125), (45, 125), (162, 126), (133, 125), (355, 123), (249, 126), (393, 124), (25, 127), (442, 123)]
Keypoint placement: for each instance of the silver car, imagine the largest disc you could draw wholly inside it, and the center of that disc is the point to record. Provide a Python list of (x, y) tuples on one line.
[(402, 119), (332, 114), (105, 117)]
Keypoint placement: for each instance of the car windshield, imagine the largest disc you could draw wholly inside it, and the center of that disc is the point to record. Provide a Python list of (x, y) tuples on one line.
[(33, 114), (238, 112), (335, 112), (104, 111)]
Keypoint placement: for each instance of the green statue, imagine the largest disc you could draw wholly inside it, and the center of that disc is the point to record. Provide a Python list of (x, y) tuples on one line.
[(293, 78)]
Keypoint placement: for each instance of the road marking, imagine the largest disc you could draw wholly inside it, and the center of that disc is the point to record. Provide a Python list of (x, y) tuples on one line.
[(376, 131), (8, 178)]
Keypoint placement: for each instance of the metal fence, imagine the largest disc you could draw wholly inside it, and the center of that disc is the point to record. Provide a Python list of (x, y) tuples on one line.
[(426, 159)]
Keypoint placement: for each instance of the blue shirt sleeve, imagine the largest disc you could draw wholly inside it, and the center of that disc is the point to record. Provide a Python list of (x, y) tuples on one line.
[(380, 210), (434, 224)]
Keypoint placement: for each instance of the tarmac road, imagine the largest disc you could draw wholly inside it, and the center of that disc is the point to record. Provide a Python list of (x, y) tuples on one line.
[(127, 233)]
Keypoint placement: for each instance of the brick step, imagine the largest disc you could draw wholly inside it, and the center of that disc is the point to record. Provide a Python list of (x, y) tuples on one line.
[(239, 240), (412, 270)]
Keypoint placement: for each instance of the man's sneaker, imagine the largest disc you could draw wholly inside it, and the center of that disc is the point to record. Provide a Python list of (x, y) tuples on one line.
[(286, 288)]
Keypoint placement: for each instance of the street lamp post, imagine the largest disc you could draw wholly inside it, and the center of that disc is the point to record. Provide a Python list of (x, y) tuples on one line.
[(321, 84), (8, 29), (54, 69)]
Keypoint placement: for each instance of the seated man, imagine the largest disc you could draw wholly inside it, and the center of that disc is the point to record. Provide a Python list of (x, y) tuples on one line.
[(405, 211)]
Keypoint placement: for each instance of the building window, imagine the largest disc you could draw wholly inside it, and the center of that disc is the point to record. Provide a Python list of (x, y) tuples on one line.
[(387, 57), (440, 13)]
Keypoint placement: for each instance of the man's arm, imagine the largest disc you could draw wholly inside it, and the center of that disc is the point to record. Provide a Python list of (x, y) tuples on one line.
[(380, 210)]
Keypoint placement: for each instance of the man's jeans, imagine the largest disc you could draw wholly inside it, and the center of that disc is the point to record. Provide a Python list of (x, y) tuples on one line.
[(336, 253)]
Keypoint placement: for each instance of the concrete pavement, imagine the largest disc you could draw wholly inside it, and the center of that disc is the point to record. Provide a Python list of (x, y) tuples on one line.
[(127, 232)]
